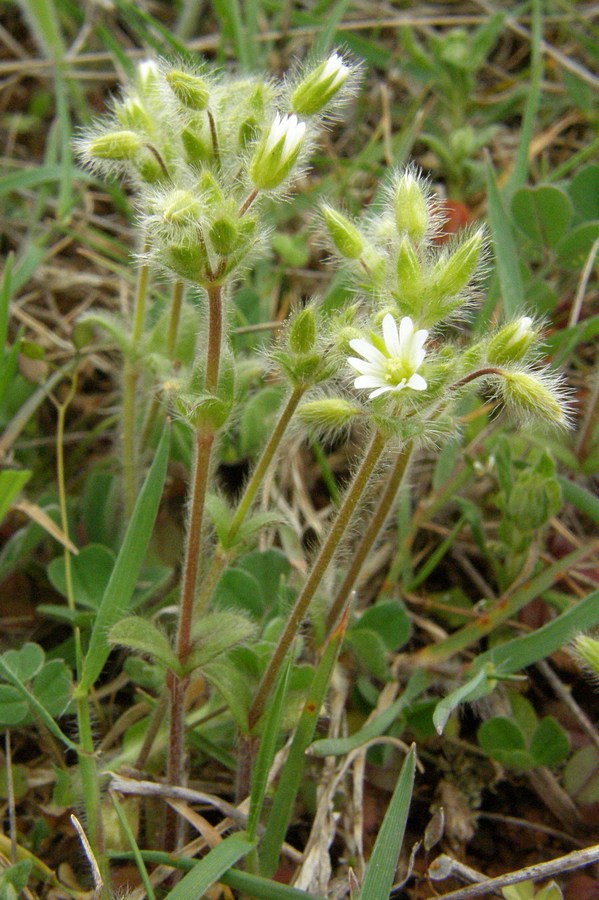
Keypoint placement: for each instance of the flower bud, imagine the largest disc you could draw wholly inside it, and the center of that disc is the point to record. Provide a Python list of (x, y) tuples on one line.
[(197, 150), (411, 208), (452, 274), (147, 75), (319, 87), (117, 145), (302, 333), (328, 413), (181, 208), (533, 500), (587, 649), (533, 397), (132, 114), (345, 236), (191, 91), (187, 260), (277, 152), (512, 342), (409, 274)]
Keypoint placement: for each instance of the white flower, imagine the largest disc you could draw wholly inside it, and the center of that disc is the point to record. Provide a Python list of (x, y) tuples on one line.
[(277, 152), (336, 70), (397, 366)]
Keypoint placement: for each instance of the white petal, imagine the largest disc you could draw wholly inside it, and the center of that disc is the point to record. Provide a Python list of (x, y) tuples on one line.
[(417, 383), (369, 381), (361, 365), (379, 391), (368, 351), (419, 338), (406, 330), (391, 336), (418, 357)]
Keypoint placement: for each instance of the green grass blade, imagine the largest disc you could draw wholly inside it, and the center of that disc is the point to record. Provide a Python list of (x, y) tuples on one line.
[(333, 18), (533, 95), (266, 753), (141, 866), (506, 254), (233, 26), (11, 482), (383, 862), (418, 683), (293, 770), (205, 873), (578, 496), (119, 590), (435, 558), (5, 295), (523, 651), (45, 23)]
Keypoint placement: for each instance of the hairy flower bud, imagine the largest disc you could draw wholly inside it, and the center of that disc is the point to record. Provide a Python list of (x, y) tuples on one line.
[(409, 275), (277, 152), (224, 235), (345, 236), (302, 333), (452, 273), (534, 396), (329, 413), (181, 208), (320, 86), (587, 648), (411, 208), (512, 342), (116, 145), (190, 90)]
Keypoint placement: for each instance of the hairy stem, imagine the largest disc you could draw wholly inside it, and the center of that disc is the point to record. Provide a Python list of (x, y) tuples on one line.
[(319, 567), (375, 525), (130, 377), (204, 442)]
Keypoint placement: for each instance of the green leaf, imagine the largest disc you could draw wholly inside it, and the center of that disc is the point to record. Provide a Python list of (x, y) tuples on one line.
[(581, 775), (239, 589), (236, 687), (584, 192), (215, 633), (90, 572), (550, 744), (52, 687), (502, 739), (370, 651), (13, 708), (220, 514), (506, 254), (144, 637), (543, 213), (119, 590), (575, 248), (585, 501), (524, 715), (390, 621), (26, 662), (211, 867), (382, 865), (270, 568), (11, 483)]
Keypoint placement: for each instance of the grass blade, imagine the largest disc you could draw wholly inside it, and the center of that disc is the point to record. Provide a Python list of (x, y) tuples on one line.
[(383, 862), (533, 95), (506, 255), (124, 576), (291, 776), (211, 868), (141, 866)]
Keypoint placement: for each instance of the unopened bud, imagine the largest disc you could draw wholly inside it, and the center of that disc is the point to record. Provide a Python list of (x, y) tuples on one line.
[(345, 236), (189, 90), (302, 333), (532, 397), (512, 342), (328, 413), (147, 75), (277, 152), (452, 274), (409, 274), (181, 208), (411, 208), (117, 145), (197, 150), (320, 86), (587, 649), (132, 114)]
